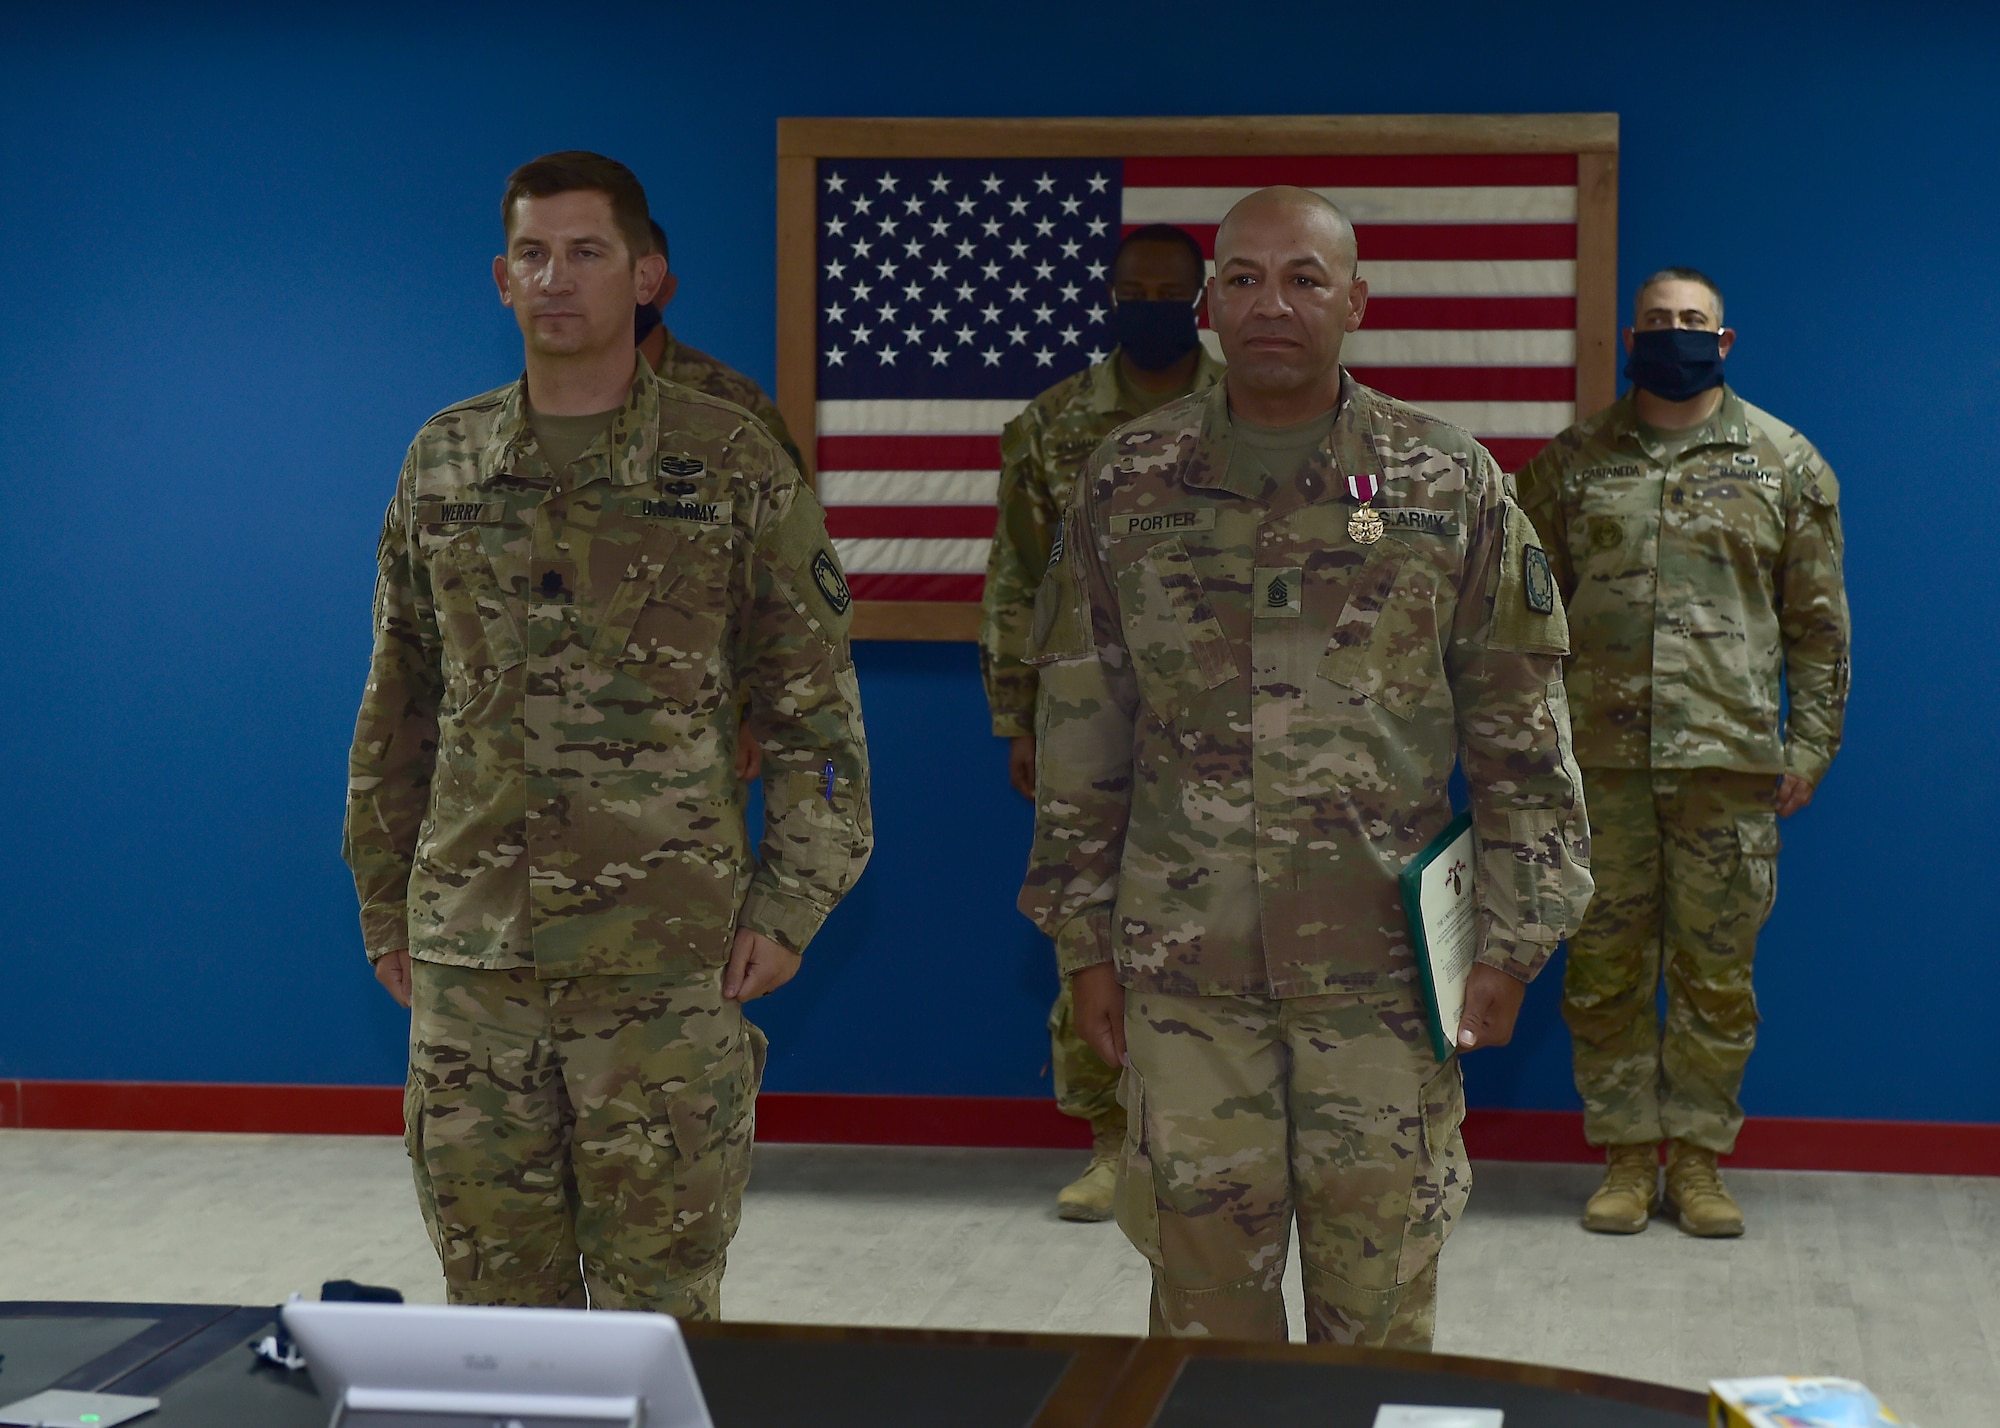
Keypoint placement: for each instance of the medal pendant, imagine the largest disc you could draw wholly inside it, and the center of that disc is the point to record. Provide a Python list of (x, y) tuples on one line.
[(1364, 527)]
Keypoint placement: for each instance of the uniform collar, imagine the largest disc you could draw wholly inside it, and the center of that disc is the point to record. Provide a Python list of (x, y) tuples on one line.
[(1106, 392), (1210, 466), (669, 349), (1727, 426), (634, 435)]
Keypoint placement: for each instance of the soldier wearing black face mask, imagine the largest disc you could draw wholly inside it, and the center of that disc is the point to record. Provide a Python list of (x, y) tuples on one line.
[(1154, 304), (1697, 544)]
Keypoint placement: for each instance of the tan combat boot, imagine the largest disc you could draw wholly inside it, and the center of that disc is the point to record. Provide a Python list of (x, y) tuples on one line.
[(1623, 1204), (1088, 1197), (1695, 1189)]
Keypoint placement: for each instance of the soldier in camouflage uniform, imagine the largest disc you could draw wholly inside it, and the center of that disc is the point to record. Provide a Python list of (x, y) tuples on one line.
[(691, 367), (1253, 695), (1697, 541), (673, 359), (544, 827), (1155, 293)]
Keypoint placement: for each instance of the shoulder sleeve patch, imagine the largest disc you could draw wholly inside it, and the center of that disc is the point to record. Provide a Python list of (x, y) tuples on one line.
[(1060, 628), (1528, 614), (1821, 487), (804, 558)]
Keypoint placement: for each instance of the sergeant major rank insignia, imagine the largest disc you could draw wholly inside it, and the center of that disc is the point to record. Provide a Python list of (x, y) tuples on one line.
[(826, 575)]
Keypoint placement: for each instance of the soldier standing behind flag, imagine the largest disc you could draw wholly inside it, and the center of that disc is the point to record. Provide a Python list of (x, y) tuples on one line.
[(579, 575), (1156, 303), (1697, 541), (690, 366), (1280, 612)]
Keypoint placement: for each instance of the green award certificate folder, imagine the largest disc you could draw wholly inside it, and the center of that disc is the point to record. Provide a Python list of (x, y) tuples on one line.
[(1443, 911)]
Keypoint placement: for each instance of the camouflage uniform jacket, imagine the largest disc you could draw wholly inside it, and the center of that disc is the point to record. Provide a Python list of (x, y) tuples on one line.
[(541, 772), (1248, 718), (1691, 583), (1041, 451), (692, 367)]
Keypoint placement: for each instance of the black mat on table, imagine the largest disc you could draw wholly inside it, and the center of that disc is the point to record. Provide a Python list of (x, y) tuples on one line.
[(1222, 1393), (761, 1383)]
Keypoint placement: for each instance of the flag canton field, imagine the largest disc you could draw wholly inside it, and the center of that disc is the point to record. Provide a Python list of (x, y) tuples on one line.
[(952, 291)]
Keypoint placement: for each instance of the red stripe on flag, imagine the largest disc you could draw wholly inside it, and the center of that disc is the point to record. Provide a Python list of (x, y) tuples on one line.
[(920, 451), (1355, 171), (1472, 384), (1471, 314), (1513, 452), (1436, 242), (966, 588), (912, 522)]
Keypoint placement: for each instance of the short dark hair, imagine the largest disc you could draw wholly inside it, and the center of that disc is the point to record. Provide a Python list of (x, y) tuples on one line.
[(579, 170), (1683, 275), (1162, 233), (659, 239)]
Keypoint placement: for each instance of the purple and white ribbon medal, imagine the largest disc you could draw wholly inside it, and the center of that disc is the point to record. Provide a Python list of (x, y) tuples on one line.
[(1364, 527)]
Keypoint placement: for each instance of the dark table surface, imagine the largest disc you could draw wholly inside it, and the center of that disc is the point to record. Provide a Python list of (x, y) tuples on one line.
[(196, 1360)]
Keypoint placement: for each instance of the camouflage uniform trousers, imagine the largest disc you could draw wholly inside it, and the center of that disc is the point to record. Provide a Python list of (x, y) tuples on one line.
[(1086, 1088), (1248, 1112), (580, 1134), (1686, 863)]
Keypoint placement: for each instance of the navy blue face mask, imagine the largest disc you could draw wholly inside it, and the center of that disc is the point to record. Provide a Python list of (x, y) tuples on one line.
[(1155, 335), (644, 320), (1675, 363)]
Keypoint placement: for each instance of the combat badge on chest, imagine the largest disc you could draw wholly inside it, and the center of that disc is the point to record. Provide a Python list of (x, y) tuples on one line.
[(1364, 527)]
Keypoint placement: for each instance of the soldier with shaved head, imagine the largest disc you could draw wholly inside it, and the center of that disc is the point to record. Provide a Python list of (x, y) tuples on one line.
[(1277, 615), (1698, 540)]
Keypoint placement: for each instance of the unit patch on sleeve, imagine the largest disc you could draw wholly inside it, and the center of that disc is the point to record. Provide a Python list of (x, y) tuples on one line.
[(832, 585), (1538, 583)]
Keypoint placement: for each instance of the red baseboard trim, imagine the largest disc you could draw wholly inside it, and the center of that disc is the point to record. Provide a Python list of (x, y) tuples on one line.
[(1767, 1142), (996, 1121)]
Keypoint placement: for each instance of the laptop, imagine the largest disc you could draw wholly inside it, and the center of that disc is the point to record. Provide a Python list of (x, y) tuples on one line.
[(456, 1366)]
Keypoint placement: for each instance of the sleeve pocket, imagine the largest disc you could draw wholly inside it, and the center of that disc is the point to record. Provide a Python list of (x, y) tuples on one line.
[(1060, 627)]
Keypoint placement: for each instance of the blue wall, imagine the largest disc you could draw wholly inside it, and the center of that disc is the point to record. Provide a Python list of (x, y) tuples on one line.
[(249, 256)]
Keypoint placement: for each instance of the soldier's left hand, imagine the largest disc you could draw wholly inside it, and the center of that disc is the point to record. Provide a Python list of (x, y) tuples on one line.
[(749, 754), (1492, 1002), (1794, 793), (757, 965)]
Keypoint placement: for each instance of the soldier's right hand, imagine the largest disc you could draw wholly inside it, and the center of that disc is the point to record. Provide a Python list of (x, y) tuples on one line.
[(392, 970), (1021, 765), (1098, 1004)]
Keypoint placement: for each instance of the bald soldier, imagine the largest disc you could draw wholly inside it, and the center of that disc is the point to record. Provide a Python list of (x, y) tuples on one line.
[(582, 578), (1279, 613), (1155, 296), (1697, 540)]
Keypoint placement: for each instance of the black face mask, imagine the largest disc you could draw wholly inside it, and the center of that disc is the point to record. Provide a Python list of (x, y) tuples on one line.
[(1675, 363), (1155, 335), (644, 320)]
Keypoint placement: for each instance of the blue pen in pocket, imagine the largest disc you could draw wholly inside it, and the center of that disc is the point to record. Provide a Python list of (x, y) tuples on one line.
[(827, 774)]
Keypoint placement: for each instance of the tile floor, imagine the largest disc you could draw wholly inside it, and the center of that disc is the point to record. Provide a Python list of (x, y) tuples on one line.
[(1895, 1279)]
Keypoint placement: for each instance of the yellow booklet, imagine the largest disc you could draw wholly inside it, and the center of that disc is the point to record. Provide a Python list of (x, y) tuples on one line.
[(1777, 1402)]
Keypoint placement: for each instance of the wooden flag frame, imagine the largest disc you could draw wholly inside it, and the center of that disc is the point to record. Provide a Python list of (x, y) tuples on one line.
[(802, 143)]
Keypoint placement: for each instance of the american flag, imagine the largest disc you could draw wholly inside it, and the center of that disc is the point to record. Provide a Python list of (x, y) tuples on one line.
[(952, 291)]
